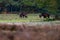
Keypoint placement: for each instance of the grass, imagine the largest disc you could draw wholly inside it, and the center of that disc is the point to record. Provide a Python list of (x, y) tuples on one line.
[(16, 18), (49, 31)]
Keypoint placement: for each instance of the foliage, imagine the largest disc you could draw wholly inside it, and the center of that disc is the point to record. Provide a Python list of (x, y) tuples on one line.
[(50, 6)]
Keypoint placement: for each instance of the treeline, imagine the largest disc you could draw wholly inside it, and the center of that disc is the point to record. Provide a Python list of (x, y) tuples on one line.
[(51, 6)]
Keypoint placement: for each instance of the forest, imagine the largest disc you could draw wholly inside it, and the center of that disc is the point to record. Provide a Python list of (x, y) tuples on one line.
[(51, 6)]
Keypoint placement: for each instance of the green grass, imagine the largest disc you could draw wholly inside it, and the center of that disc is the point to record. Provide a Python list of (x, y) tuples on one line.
[(16, 18)]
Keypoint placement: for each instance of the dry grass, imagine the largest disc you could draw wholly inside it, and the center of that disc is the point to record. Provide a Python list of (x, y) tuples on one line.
[(30, 32)]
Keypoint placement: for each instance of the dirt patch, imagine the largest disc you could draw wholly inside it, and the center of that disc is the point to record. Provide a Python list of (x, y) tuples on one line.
[(29, 31)]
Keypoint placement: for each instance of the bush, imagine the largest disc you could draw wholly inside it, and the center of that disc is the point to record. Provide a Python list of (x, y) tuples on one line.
[(48, 19)]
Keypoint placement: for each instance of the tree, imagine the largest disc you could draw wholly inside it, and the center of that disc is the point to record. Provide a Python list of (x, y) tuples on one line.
[(49, 5)]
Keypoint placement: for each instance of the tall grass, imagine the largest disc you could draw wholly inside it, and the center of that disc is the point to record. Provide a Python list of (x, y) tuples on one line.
[(13, 31)]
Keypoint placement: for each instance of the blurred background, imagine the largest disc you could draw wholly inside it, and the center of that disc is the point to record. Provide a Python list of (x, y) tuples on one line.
[(31, 6), (51, 6)]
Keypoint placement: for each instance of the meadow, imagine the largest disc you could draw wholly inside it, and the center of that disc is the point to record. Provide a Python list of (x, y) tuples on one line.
[(31, 28), (16, 18)]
